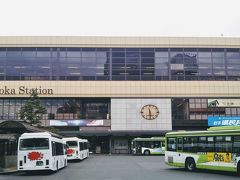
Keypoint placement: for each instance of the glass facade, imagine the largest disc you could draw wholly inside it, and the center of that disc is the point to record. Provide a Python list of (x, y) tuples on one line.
[(100, 108), (119, 64), (198, 109), (60, 108)]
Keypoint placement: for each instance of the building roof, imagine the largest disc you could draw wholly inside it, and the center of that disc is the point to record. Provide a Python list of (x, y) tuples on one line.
[(99, 41), (20, 127)]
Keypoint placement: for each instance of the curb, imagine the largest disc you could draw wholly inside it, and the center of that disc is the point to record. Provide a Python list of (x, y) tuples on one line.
[(8, 172)]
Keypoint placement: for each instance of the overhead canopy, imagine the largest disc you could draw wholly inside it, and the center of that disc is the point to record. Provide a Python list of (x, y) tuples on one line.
[(8, 127), (8, 137), (113, 133)]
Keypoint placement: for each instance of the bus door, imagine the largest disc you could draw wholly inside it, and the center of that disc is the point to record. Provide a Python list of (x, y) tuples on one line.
[(179, 149), (163, 146), (138, 146), (172, 150)]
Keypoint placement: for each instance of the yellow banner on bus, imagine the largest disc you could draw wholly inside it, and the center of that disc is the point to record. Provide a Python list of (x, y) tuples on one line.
[(219, 157)]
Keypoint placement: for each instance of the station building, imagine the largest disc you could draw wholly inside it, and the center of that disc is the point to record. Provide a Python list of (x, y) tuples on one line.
[(112, 89)]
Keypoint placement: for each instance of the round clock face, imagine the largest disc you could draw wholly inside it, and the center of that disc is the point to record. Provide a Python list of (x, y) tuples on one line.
[(149, 112)]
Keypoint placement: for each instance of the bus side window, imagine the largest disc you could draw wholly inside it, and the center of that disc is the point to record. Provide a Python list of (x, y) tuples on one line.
[(179, 144), (202, 144), (163, 144), (85, 145), (81, 146), (59, 149), (223, 144), (236, 144), (147, 144), (190, 144), (65, 148), (156, 144), (210, 144), (54, 148), (206, 144), (171, 144), (151, 144)]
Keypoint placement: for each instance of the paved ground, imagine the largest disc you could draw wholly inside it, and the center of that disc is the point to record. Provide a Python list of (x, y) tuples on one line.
[(116, 167)]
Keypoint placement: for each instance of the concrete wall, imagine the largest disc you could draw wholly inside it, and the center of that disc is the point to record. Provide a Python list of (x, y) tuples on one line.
[(126, 114), (125, 89), (8, 163), (100, 41)]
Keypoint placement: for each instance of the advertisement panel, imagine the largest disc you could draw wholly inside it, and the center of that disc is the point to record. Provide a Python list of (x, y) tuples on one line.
[(223, 121), (77, 122), (223, 102), (219, 157)]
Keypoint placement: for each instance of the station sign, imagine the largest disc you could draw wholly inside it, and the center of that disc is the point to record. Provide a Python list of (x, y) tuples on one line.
[(23, 90), (223, 121)]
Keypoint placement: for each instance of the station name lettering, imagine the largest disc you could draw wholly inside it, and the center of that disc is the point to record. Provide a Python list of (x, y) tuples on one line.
[(24, 90)]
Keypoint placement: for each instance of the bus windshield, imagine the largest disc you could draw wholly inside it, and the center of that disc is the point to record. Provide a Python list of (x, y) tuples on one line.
[(34, 144), (72, 143)]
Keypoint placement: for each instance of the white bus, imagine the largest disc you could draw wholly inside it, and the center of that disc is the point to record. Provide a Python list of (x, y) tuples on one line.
[(77, 148), (148, 146), (41, 151), (85, 147)]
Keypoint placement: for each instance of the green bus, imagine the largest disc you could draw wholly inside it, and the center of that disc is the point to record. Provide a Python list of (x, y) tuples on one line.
[(148, 146), (217, 148)]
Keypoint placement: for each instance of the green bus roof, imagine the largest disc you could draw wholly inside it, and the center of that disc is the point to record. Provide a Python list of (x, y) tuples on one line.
[(150, 139), (218, 128), (221, 130)]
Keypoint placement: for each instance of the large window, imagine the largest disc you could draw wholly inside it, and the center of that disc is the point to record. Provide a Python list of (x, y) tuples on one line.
[(73, 63), (198, 109), (60, 108)]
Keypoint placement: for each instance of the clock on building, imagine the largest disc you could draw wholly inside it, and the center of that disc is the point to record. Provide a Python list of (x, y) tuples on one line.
[(149, 112)]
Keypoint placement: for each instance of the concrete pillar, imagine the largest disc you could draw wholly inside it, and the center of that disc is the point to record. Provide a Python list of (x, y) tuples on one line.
[(110, 145)]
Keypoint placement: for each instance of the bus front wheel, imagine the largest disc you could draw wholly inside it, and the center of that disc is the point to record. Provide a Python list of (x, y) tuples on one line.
[(238, 168), (190, 164), (146, 152)]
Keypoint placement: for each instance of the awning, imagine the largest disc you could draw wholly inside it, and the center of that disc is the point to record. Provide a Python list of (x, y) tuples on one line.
[(8, 136), (112, 133)]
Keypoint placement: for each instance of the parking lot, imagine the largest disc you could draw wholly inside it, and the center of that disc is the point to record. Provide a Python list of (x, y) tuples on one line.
[(121, 167)]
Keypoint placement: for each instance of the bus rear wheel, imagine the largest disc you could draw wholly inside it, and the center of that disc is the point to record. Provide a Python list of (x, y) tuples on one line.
[(190, 164), (146, 152)]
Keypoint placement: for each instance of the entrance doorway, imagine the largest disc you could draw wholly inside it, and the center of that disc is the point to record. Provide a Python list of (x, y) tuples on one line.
[(99, 144), (120, 145)]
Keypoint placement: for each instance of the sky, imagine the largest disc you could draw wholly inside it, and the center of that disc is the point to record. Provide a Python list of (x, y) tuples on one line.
[(174, 18)]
